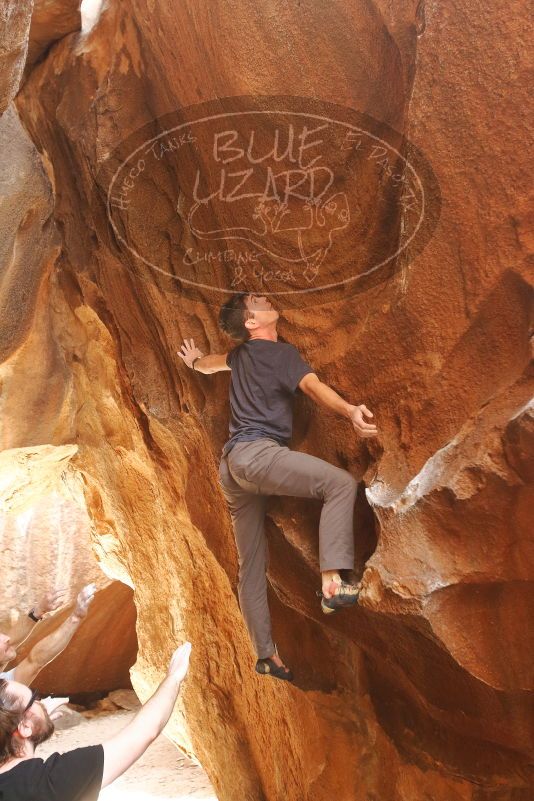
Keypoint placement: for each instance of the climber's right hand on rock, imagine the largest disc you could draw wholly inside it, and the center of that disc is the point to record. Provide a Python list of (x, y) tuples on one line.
[(361, 425), (179, 663), (189, 352)]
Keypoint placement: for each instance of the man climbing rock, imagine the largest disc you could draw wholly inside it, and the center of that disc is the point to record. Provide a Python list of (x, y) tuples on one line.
[(257, 463)]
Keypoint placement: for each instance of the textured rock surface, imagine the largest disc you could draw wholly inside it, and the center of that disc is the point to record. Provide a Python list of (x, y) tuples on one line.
[(51, 20), (45, 543), (103, 649), (15, 18), (27, 29), (425, 691), (45, 531)]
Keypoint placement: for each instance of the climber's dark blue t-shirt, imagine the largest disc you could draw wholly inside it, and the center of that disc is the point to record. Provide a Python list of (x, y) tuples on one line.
[(265, 376)]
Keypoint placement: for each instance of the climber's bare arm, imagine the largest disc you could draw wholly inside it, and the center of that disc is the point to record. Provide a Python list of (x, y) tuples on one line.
[(51, 646), (327, 397), (212, 363), (25, 624), (129, 744)]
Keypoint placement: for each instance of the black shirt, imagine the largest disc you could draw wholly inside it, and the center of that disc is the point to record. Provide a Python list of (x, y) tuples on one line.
[(74, 776), (265, 376)]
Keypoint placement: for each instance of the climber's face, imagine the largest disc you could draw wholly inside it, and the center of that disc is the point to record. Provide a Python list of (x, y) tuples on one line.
[(7, 652), (264, 314), (35, 725)]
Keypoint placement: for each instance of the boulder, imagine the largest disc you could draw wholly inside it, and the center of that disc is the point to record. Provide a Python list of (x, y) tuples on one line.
[(45, 528), (425, 690), (15, 19), (125, 699)]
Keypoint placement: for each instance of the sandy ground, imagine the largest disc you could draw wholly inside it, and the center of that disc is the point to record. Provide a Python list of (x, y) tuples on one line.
[(162, 774)]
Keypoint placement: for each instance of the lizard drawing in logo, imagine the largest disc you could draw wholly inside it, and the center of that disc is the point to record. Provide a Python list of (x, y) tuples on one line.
[(298, 225)]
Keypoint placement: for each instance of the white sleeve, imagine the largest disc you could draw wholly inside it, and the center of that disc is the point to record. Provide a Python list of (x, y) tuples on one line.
[(8, 675)]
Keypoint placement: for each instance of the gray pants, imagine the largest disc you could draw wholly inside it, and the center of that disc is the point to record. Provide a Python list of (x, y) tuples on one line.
[(249, 474)]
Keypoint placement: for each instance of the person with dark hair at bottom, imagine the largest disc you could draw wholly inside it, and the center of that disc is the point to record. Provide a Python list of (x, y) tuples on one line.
[(257, 463), (76, 775)]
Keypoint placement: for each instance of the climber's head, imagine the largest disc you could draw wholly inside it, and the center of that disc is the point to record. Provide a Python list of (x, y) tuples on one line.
[(7, 652), (24, 722), (248, 316)]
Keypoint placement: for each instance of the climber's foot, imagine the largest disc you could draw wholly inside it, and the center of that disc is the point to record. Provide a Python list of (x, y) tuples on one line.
[(337, 595), (273, 666)]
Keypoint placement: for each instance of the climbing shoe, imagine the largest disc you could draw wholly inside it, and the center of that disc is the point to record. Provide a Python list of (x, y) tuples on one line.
[(267, 667), (344, 595)]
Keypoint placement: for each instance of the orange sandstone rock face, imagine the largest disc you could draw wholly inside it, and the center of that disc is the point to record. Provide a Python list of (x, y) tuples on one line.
[(45, 542), (425, 691), (14, 29), (101, 652), (49, 23), (27, 29), (45, 530)]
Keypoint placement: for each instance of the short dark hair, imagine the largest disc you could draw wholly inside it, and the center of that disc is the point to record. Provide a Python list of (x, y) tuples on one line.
[(9, 720), (232, 317)]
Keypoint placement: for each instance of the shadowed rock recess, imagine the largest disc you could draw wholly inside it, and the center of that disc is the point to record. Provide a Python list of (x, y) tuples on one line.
[(424, 693)]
